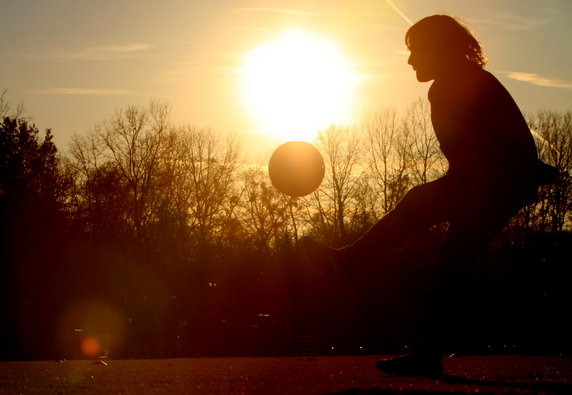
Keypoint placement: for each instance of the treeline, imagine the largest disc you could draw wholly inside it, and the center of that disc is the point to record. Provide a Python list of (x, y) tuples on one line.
[(153, 239)]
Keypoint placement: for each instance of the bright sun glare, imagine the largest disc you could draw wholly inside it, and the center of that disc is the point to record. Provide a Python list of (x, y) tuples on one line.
[(295, 84)]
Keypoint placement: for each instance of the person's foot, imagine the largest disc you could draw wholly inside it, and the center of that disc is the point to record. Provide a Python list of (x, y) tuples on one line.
[(413, 365)]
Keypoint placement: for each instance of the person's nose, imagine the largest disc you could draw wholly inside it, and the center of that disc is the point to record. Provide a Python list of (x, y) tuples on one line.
[(409, 60)]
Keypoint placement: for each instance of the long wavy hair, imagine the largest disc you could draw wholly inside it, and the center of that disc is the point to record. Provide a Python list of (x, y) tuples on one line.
[(447, 35)]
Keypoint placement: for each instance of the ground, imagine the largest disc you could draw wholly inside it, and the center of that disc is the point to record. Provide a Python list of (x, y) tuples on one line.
[(284, 375)]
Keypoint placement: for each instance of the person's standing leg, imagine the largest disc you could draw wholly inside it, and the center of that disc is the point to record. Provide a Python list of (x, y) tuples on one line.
[(467, 238), (470, 230)]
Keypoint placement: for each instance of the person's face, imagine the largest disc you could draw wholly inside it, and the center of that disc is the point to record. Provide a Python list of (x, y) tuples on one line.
[(424, 62)]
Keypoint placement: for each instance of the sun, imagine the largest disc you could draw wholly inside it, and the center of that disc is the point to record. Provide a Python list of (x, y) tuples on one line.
[(295, 84)]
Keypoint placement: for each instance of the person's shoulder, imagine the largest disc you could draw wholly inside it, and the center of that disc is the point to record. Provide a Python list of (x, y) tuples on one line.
[(469, 82), (478, 83), (485, 78), (488, 84), (489, 77)]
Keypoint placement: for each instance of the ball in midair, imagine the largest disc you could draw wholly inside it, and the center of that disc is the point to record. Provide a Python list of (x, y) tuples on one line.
[(296, 168)]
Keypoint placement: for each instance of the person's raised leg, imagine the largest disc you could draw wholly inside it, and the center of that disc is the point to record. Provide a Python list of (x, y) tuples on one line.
[(421, 207)]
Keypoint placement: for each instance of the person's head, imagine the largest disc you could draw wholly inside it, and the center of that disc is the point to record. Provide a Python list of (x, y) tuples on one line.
[(438, 44)]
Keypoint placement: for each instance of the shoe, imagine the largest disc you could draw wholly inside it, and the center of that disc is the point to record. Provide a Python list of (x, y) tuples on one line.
[(413, 365), (325, 259)]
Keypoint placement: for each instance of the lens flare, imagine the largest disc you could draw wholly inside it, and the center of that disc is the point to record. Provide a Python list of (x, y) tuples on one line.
[(91, 328), (90, 347)]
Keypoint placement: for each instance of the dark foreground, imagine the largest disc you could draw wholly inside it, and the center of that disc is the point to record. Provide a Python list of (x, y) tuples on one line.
[(288, 375)]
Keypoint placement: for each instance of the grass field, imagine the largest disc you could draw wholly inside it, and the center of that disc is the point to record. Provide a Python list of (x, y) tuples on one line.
[(283, 375)]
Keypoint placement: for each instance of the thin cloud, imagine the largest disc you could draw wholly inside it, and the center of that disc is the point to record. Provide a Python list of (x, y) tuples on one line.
[(511, 22), (108, 52), (121, 48), (85, 92), (539, 80), (181, 72), (286, 11)]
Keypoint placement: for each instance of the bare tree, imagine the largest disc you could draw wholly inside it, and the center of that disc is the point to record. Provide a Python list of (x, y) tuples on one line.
[(427, 161), (207, 178), (85, 162), (335, 201), (7, 109), (117, 166), (388, 146), (554, 141), (176, 185), (265, 214), (134, 140)]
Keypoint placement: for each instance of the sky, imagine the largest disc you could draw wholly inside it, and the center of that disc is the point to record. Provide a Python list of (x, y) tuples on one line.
[(266, 70)]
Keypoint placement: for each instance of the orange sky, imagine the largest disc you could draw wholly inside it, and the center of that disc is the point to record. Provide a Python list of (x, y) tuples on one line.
[(73, 63)]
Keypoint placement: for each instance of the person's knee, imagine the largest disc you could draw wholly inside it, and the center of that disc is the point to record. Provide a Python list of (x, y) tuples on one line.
[(407, 206), (418, 196), (424, 205), (410, 206)]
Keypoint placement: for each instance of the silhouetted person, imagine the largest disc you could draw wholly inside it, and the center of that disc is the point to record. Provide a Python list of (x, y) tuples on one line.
[(493, 172)]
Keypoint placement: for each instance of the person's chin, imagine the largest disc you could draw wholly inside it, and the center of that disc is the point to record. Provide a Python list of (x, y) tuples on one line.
[(421, 77)]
